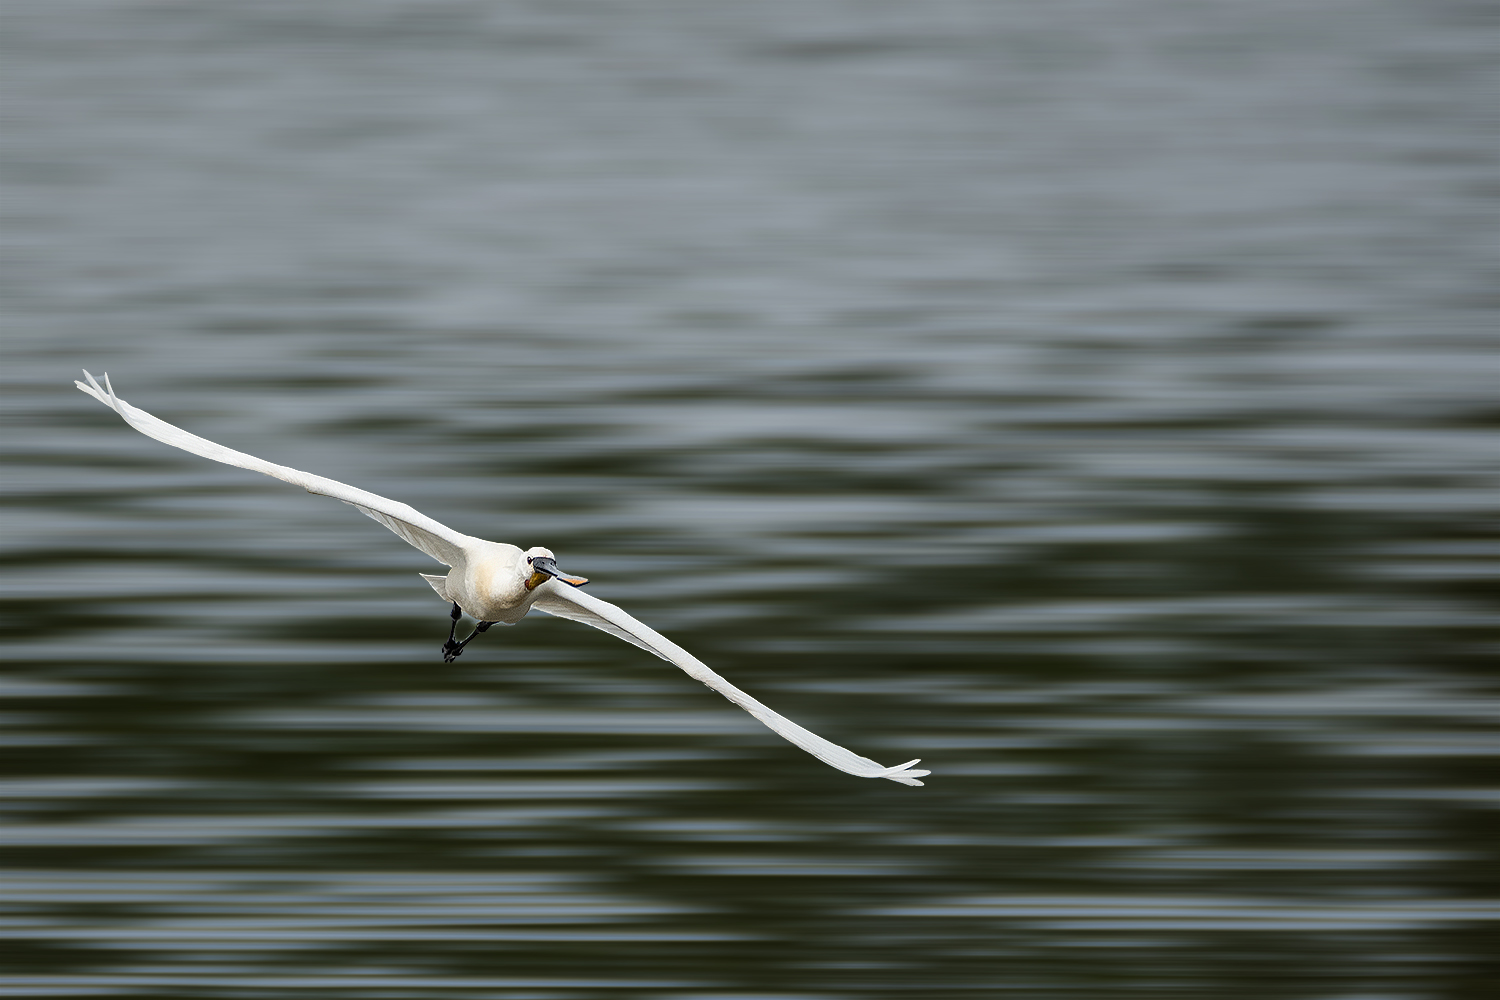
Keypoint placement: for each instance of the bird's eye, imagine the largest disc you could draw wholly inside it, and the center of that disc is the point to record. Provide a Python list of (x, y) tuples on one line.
[(529, 559)]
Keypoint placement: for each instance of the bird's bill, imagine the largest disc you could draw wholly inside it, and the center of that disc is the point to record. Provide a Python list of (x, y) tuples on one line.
[(542, 567)]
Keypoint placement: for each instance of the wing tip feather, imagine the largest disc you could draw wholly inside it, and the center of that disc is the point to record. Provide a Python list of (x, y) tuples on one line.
[(904, 773), (104, 394)]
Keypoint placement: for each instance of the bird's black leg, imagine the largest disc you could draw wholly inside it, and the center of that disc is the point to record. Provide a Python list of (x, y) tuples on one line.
[(453, 650)]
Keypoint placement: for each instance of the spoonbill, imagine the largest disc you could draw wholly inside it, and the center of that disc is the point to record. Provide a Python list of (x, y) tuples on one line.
[(497, 584)]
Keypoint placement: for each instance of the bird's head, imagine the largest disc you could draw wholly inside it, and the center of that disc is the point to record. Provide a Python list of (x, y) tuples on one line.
[(539, 564)]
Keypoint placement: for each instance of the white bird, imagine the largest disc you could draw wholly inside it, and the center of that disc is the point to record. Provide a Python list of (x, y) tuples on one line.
[(498, 583)]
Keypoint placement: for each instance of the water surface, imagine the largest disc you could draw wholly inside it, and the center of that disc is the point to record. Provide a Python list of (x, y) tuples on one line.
[(1093, 400)]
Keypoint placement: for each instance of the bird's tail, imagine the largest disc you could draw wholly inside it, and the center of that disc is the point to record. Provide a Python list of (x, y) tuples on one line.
[(437, 583)]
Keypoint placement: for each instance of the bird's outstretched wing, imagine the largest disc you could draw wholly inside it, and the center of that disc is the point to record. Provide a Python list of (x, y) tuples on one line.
[(437, 540), (568, 602)]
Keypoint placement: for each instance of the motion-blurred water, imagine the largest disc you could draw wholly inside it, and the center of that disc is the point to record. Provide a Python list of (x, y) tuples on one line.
[(1093, 399)]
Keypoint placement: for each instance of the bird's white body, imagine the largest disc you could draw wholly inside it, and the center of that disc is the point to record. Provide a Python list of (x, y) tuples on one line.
[(488, 582), (494, 582)]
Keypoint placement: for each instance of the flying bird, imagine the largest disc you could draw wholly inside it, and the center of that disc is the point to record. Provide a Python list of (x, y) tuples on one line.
[(497, 584)]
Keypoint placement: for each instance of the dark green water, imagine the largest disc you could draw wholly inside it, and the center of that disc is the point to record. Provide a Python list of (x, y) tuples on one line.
[(1094, 400)]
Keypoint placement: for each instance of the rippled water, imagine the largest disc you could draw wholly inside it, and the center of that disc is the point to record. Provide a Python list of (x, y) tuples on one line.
[(1094, 400)]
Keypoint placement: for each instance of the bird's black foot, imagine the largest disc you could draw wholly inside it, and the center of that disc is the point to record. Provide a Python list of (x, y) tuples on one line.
[(453, 650)]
